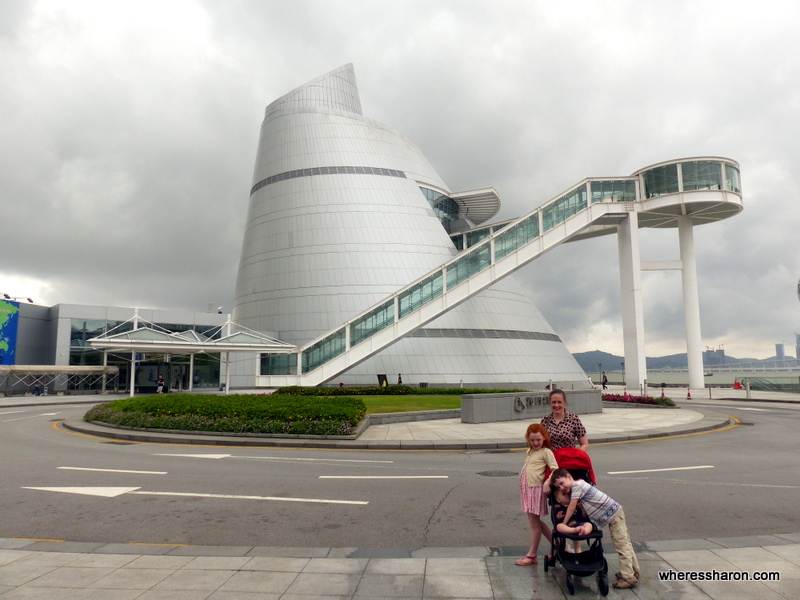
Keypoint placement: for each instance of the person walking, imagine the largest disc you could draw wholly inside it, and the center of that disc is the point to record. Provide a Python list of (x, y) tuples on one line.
[(605, 381)]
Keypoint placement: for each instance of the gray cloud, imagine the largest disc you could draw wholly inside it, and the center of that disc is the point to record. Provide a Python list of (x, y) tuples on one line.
[(129, 134)]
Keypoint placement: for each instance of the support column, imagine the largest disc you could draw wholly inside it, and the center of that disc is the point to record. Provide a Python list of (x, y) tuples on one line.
[(630, 279), (691, 303)]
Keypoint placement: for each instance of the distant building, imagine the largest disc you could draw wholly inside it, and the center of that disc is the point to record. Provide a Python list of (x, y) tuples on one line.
[(780, 352)]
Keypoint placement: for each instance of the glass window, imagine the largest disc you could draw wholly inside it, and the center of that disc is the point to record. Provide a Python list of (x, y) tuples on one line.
[(421, 293), (701, 175), (518, 235), (732, 179), (560, 210), (444, 207), (279, 364), (458, 241), (371, 323), (324, 350), (473, 237), (473, 262), (623, 190), (661, 181)]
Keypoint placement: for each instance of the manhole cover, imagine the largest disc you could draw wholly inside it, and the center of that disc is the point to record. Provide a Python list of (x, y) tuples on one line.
[(498, 473)]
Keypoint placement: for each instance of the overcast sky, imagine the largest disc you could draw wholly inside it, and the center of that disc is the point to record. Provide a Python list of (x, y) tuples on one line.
[(129, 130)]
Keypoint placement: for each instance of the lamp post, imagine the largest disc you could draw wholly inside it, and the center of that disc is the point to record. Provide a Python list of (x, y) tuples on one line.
[(622, 364), (600, 374), (17, 298)]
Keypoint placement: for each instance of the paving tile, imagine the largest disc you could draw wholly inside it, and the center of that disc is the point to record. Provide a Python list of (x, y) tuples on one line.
[(159, 562), (137, 549), (194, 580), (14, 575), (456, 566), (749, 541), (507, 587), (259, 581), (336, 565), (112, 561), (289, 552), (457, 586), (736, 590), (684, 555), (276, 563), (70, 577), (466, 552), (47, 559), (788, 588), (95, 594), (334, 584), (395, 566), (224, 563), (132, 579), (389, 586), (9, 556), (223, 595), (671, 545), (39, 593), (791, 537), (790, 553), (743, 556), (172, 595), (211, 551)]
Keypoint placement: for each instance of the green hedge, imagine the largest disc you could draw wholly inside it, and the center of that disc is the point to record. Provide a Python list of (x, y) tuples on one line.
[(235, 414), (389, 390)]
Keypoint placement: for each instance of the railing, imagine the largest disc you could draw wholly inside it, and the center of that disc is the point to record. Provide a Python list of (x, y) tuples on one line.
[(493, 244)]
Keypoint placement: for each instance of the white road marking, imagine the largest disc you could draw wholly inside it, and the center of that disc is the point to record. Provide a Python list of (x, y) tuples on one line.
[(279, 458), (344, 460), (274, 498), (11, 412), (30, 417), (717, 483), (113, 470), (113, 492), (383, 477), (106, 492), (212, 456), (658, 470)]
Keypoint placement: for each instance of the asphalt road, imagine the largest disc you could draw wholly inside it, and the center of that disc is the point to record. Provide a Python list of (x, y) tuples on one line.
[(743, 481)]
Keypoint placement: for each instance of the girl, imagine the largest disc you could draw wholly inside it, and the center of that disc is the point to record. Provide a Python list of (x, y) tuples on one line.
[(538, 457)]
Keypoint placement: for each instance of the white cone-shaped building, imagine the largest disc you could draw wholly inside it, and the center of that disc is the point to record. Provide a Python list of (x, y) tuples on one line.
[(340, 217)]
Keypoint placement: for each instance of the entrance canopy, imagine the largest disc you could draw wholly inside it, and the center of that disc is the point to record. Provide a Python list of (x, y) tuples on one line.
[(150, 339), (137, 336)]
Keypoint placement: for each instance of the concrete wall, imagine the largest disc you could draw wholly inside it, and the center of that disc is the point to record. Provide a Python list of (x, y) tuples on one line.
[(524, 406)]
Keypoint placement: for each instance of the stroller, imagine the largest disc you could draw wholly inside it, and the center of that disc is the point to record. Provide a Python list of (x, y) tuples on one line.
[(590, 561)]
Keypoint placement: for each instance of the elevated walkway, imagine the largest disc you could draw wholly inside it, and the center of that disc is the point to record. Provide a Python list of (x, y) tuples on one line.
[(658, 196)]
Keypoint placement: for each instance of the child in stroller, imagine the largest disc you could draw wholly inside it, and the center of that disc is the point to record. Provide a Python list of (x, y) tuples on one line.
[(578, 529)]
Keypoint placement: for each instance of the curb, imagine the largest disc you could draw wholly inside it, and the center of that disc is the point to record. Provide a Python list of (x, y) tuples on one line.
[(711, 420)]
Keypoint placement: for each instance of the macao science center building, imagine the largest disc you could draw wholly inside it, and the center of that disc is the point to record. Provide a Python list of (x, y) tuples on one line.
[(359, 261)]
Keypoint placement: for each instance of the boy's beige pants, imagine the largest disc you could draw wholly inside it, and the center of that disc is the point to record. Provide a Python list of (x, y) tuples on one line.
[(628, 564)]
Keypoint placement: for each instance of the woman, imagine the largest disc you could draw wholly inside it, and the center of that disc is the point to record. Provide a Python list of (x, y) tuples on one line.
[(564, 428)]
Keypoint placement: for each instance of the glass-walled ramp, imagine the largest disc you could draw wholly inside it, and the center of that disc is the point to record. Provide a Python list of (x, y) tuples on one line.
[(493, 252)]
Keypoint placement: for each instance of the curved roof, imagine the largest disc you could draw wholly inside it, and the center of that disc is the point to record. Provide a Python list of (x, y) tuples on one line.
[(477, 205)]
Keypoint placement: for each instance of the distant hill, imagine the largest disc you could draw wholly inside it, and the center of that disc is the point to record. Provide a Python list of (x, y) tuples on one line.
[(611, 362)]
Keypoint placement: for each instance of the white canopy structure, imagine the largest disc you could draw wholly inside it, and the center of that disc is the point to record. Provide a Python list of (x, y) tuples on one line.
[(151, 338)]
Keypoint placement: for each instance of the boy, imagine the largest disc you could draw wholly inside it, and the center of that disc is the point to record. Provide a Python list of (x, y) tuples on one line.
[(601, 510)]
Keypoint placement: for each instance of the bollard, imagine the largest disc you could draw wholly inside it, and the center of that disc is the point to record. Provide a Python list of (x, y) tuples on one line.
[(688, 393)]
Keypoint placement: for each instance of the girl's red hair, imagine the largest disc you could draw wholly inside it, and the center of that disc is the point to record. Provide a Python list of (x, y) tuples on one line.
[(537, 428)]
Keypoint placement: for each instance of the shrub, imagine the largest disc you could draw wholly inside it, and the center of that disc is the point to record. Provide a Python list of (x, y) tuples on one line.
[(234, 414), (631, 399), (389, 390)]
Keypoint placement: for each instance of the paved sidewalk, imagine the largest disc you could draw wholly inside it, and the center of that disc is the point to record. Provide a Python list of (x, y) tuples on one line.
[(73, 571)]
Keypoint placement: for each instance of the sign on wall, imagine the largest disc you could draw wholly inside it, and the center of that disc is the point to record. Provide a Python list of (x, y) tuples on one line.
[(9, 324)]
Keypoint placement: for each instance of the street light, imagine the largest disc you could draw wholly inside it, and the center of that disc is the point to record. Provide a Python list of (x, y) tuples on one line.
[(16, 298)]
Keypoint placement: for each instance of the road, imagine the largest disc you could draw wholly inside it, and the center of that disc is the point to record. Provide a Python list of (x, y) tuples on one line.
[(743, 481)]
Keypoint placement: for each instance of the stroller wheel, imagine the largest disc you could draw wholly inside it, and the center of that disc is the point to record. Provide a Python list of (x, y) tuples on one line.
[(570, 585), (602, 584)]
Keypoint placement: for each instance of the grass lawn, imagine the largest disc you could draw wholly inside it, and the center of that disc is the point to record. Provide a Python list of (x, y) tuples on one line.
[(389, 404)]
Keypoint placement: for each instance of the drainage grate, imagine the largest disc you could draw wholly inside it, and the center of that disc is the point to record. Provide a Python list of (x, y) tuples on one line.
[(120, 443), (743, 423), (498, 473)]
